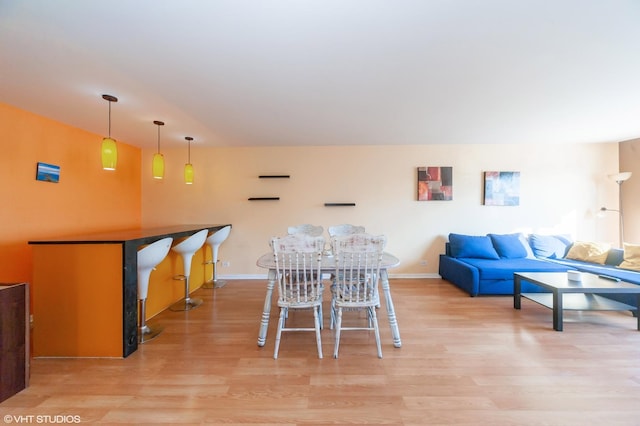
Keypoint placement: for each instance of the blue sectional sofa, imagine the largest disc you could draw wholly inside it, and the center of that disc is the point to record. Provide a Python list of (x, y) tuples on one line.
[(484, 265)]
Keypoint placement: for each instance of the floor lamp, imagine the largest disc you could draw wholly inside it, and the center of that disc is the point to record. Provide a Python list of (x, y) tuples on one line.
[(619, 178)]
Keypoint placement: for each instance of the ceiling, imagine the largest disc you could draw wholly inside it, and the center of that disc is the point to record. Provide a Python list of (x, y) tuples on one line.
[(328, 72)]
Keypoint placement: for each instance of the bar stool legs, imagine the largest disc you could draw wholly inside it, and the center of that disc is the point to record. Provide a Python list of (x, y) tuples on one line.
[(148, 258), (145, 332), (188, 302), (187, 249), (214, 240)]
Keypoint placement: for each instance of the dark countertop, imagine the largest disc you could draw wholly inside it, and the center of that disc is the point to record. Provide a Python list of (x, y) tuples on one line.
[(140, 235)]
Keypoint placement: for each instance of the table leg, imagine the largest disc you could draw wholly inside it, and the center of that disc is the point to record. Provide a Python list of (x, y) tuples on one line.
[(391, 313), (266, 310), (557, 310), (516, 292)]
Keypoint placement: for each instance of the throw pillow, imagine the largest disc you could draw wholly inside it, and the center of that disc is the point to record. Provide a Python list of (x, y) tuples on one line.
[(509, 246), (589, 252), (472, 246), (551, 246), (631, 257)]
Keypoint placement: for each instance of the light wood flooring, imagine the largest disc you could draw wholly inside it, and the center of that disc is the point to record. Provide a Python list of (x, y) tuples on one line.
[(464, 361)]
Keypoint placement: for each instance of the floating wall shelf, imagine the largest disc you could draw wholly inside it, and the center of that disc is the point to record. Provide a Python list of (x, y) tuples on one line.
[(274, 176), (339, 204), (264, 198)]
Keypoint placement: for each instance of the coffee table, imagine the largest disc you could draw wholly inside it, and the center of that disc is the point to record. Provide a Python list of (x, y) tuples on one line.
[(574, 295)]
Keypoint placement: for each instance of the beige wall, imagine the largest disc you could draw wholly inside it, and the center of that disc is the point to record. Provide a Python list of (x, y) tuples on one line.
[(630, 162), (562, 188)]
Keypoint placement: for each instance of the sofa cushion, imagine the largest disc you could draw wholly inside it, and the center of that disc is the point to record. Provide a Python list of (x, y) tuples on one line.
[(472, 246), (549, 246), (503, 269), (509, 246), (594, 268), (615, 257), (589, 252), (631, 257)]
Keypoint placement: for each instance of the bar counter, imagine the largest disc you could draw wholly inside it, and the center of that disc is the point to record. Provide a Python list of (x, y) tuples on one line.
[(85, 294)]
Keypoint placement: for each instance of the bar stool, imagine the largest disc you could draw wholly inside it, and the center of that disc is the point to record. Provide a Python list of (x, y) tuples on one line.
[(213, 241), (148, 258), (187, 248)]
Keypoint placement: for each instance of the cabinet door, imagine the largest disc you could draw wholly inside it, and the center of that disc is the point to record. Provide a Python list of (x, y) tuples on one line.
[(14, 340)]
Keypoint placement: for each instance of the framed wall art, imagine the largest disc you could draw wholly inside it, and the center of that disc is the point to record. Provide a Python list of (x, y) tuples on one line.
[(48, 172), (501, 188), (435, 183)]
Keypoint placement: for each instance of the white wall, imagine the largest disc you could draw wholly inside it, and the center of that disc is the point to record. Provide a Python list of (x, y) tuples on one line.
[(562, 187)]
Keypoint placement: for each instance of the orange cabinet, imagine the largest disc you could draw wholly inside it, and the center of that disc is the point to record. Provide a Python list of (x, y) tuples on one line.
[(85, 290)]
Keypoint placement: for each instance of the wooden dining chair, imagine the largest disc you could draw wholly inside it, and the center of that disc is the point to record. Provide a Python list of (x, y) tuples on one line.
[(314, 231), (338, 231), (355, 287), (298, 260), (344, 229), (307, 229)]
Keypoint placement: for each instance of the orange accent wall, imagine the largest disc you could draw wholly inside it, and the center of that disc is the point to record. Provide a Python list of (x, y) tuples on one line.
[(86, 199)]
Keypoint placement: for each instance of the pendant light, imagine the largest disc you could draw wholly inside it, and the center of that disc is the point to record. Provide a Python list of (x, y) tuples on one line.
[(157, 166), (109, 148), (188, 168)]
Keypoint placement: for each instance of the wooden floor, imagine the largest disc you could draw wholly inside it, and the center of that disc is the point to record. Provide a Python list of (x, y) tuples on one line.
[(464, 361)]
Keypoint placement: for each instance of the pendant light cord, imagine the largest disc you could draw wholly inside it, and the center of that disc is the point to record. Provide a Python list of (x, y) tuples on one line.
[(110, 99), (189, 139)]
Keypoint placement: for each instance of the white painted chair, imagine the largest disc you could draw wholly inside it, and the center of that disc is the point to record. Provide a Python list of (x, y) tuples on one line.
[(148, 258), (187, 248), (313, 231), (298, 261), (358, 258), (338, 231), (214, 240), (344, 229), (307, 229)]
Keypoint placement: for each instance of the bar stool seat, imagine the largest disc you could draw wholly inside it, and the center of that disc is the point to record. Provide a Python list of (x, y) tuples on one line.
[(214, 240), (187, 248), (148, 258)]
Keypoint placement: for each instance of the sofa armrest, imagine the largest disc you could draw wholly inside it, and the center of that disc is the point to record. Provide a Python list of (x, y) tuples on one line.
[(463, 275)]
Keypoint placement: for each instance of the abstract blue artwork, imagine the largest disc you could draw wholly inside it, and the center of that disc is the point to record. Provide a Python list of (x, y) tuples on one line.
[(501, 188)]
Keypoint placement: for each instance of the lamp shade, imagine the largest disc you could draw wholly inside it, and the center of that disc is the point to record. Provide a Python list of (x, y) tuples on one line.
[(188, 168), (157, 166), (109, 151), (109, 154), (620, 177), (188, 173)]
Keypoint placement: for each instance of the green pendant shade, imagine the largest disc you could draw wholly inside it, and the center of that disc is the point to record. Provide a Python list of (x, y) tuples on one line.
[(188, 168), (157, 165), (109, 151)]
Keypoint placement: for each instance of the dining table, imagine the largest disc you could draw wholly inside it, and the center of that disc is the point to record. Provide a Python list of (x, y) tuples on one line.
[(328, 266)]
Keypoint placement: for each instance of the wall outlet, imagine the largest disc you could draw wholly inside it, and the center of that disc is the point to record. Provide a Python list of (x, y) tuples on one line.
[(226, 264), (423, 262)]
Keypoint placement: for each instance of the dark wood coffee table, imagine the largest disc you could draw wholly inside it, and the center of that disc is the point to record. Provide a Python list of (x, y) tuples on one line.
[(574, 295)]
